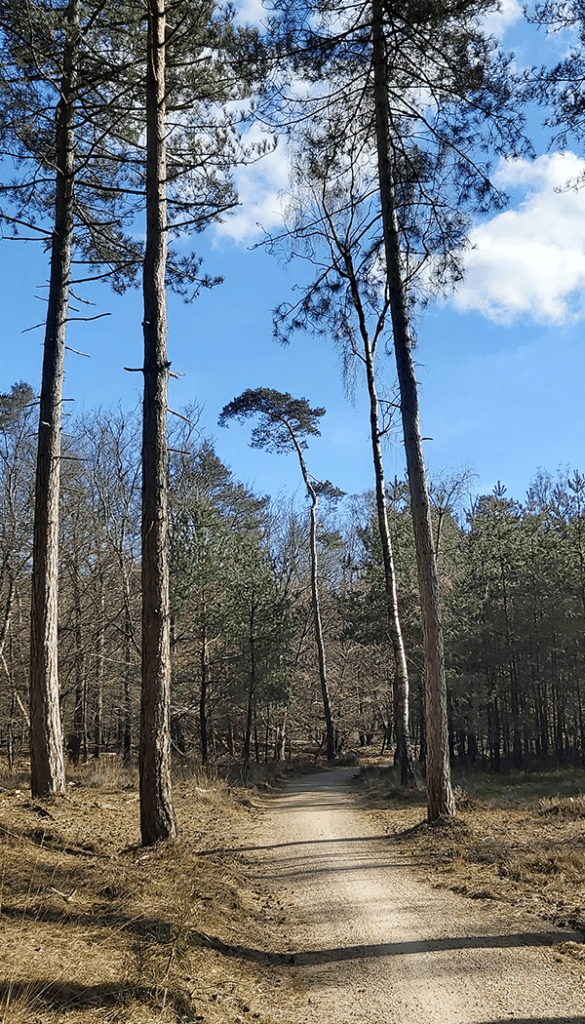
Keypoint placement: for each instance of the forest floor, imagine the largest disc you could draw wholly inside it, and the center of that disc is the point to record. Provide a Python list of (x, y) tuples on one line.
[(251, 914), (93, 927)]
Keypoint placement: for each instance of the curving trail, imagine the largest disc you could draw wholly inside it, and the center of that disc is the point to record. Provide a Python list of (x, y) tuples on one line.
[(373, 943)]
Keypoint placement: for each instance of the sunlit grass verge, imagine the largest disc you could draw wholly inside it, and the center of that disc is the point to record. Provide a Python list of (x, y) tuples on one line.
[(518, 838), (108, 773)]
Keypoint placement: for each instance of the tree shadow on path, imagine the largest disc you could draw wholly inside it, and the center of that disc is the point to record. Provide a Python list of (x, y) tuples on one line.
[(314, 957)]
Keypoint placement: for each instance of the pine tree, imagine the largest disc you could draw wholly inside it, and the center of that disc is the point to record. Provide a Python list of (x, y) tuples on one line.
[(178, 95), (51, 82), (417, 98), (284, 423), (113, 123), (347, 301)]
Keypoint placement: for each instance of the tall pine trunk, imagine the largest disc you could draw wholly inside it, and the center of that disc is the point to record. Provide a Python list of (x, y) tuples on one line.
[(46, 742), (157, 819), (440, 800)]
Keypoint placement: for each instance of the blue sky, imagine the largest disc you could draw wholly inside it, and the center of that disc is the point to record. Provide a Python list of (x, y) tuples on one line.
[(501, 365)]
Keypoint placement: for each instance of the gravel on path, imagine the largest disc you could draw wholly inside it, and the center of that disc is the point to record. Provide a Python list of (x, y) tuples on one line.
[(373, 942)]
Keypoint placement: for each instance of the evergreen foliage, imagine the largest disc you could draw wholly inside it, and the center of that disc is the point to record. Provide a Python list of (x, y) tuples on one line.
[(115, 113)]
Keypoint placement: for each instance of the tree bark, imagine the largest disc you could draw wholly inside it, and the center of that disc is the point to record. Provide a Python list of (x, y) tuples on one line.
[(157, 819), (78, 741), (46, 742), (403, 755), (250, 714), (10, 674), (203, 724), (99, 672), (127, 687), (440, 800), (329, 730)]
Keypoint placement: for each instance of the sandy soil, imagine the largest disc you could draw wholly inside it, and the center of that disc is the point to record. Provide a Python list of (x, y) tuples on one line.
[(372, 941)]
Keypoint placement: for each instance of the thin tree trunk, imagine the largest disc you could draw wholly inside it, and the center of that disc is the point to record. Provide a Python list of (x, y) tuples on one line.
[(267, 734), (7, 611), (403, 755), (494, 725), (127, 694), (9, 673), (125, 729), (440, 800), (46, 742), (157, 818), (99, 676), (280, 744), (329, 730), (251, 693), (204, 662), (78, 742)]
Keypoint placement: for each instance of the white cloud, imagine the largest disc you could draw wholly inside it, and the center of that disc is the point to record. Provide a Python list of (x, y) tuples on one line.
[(506, 14), (251, 12), (530, 261), (260, 187)]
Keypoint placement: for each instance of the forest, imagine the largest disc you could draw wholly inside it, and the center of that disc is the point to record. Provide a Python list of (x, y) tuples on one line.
[(244, 659), (150, 602)]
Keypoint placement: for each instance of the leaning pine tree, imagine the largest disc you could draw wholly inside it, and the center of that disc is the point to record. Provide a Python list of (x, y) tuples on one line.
[(283, 425)]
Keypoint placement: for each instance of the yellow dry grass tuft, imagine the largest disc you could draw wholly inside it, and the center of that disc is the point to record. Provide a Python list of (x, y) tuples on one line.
[(514, 840), (94, 927)]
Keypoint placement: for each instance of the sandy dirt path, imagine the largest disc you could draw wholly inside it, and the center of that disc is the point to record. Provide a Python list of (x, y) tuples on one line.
[(372, 942)]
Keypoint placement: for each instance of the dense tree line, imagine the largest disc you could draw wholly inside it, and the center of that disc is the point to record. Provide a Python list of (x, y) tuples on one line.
[(512, 584), (518, 626), (230, 622), (245, 663)]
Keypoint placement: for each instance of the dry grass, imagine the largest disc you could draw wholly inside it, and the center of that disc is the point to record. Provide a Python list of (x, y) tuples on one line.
[(95, 928), (518, 840)]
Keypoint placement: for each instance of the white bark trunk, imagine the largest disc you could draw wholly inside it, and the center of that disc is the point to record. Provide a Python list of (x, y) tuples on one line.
[(403, 756)]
